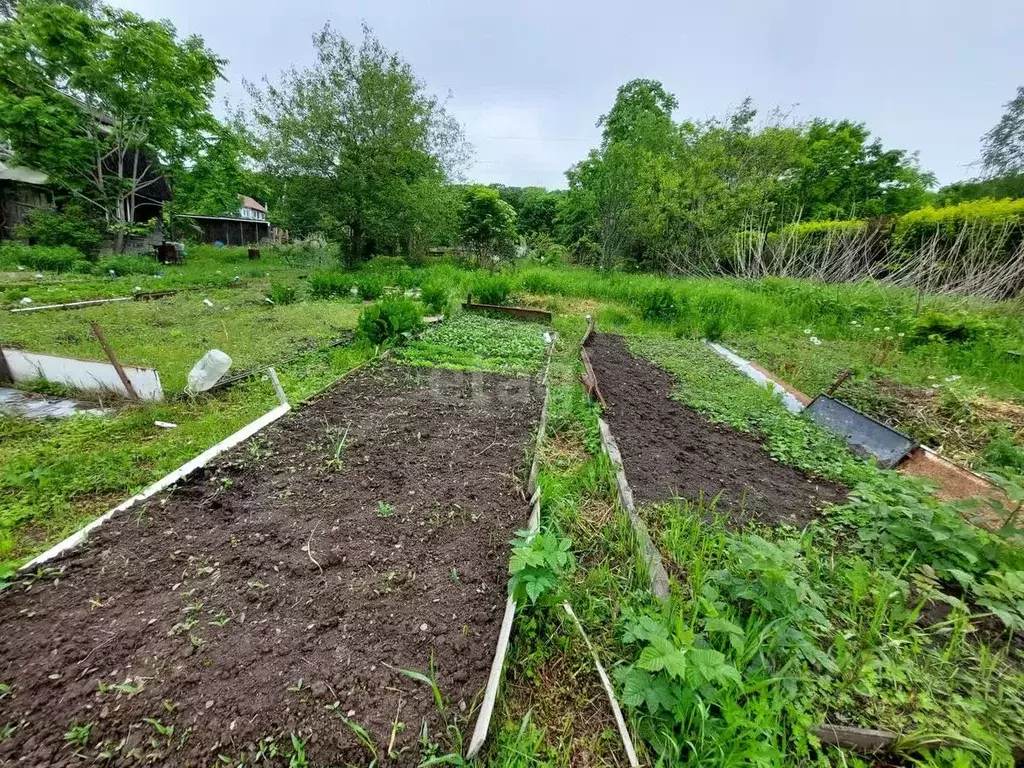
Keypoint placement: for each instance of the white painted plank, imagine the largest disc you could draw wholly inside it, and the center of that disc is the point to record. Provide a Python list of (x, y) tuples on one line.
[(89, 375)]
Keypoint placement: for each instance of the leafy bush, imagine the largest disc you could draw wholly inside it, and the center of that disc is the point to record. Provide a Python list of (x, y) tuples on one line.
[(995, 227), (71, 227), (960, 328), (369, 287), (389, 320), (61, 258), (903, 529), (328, 285), (283, 294), (491, 289), (1003, 453), (435, 296), (659, 304), (313, 251)]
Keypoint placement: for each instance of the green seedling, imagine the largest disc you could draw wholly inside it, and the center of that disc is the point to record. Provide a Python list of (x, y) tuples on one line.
[(78, 736), (298, 757), (336, 462), (5, 691), (384, 509), (221, 620), (364, 738), (298, 686)]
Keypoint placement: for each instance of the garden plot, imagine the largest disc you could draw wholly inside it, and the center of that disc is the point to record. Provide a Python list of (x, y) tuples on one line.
[(669, 449), (268, 605)]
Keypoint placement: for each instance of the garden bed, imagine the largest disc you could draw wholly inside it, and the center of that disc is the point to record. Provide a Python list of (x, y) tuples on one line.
[(669, 449), (269, 602)]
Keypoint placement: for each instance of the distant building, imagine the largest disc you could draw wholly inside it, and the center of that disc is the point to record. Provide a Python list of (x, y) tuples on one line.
[(249, 227), (22, 191)]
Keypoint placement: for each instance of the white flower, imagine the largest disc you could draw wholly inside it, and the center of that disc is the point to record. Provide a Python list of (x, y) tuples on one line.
[(807, 331), (854, 322), (936, 386), (931, 378), (888, 328), (953, 378), (877, 330), (901, 335), (815, 340)]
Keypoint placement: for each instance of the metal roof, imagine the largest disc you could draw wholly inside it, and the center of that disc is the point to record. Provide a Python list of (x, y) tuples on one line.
[(22, 174)]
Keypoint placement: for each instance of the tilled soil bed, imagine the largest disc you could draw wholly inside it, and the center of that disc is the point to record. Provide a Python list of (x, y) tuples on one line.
[(280, 591), (669, 449)]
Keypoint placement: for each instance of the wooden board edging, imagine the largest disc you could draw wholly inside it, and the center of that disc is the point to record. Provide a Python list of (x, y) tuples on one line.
[(524, 313)]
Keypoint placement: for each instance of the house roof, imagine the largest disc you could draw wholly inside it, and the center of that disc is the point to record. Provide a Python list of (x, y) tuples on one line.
[(22, 174), (248, 202)]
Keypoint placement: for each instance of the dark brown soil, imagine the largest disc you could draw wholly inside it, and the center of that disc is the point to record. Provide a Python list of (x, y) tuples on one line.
[(669, 449), (274, 595)]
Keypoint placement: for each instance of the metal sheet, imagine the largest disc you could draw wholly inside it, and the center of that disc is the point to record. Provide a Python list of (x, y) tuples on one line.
[(864, 435), (89, 375)]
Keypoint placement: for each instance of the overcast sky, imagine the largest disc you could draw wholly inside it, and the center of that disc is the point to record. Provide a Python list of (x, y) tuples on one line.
[(528, 79)]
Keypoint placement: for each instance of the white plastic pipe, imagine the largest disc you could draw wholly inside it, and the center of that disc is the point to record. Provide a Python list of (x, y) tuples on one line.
[(743, 366)]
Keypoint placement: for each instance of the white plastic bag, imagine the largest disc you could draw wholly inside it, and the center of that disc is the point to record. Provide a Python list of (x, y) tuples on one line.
[(208, 371)]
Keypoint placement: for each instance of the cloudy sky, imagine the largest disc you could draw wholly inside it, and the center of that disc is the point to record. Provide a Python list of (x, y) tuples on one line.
[(529, 79)]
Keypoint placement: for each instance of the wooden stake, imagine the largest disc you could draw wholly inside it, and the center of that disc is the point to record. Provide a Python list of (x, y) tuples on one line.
[(838, 382), (98, 333)]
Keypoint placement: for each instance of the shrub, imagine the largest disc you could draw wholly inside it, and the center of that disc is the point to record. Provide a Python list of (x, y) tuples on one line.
[(492, 289), (61, 258), (313, 251), (283, 294), (390, 320), (71, 227), (658, 304), (1002, 453), (327, 285), (370, 287), (995, 227), (435, 296), (959, 328)]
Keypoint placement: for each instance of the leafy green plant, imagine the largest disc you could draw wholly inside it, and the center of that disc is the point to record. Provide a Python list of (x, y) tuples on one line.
[(491, 289), (46, 258), (659, 304), (70, 227), (78, 736), (539, 561), (960, 328), (435, 296), (369, 287), (384, 509), (329, 285), (283, 294), (389, 320)]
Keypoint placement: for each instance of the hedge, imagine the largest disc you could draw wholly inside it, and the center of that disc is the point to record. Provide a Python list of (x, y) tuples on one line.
[(992, 226)]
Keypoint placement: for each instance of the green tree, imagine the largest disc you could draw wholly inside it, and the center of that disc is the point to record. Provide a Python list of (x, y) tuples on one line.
[(101, 100), (842, 175), (487, 222), (1003, 147), (213, 181), (359, 145)]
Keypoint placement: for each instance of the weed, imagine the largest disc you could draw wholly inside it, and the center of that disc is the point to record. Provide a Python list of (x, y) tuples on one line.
[(338, 440), (539, 561), (492, 289), (384, 509), (363, 737), (283, 294), (390, 320), (78, 736)]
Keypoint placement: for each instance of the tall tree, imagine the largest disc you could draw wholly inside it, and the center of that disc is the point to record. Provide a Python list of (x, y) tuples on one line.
[(1003, 147), (487, 222), (102, 100), (365, 139)]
